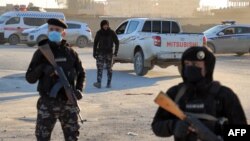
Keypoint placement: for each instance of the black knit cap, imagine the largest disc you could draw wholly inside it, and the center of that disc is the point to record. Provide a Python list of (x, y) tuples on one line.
[(200, 54), (104, 22), (57, 22)]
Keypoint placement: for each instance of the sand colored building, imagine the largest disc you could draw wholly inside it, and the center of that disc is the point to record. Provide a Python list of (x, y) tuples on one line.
[(152, 8), (238, 3)]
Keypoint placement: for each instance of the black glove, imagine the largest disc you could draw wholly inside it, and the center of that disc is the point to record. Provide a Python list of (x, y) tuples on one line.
[(95, 55), (115, 54), (181, 129), (49, 70), (78, 94)]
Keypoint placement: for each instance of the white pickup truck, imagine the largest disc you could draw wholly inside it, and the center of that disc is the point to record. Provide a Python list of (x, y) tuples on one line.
[(148, 42)]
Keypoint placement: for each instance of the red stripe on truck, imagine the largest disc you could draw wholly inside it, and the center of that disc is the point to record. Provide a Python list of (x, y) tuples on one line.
[(14, 28), (182, 44)]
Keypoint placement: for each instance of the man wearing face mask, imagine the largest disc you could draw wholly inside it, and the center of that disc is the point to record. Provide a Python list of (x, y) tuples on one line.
[(200, 96), (52, 108), (103, 51)]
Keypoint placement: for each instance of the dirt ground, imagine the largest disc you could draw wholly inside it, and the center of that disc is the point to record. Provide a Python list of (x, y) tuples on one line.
[(110, 113)]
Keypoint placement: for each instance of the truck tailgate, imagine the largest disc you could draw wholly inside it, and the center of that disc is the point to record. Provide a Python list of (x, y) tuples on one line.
[(180, 42)]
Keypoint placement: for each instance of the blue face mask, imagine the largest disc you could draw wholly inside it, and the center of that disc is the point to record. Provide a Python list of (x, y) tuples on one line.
[(55, 36)]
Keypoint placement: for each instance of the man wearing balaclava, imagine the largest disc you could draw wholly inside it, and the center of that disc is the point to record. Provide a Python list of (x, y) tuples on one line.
[(199, 95), (53, 102), (103, 52)]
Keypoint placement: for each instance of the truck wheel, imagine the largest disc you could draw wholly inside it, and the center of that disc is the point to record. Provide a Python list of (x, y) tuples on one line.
[(14, 39), (240, 53), (211, 47), (139, 68), (40, 38), (31, 45), (2, 42), (81, 42)]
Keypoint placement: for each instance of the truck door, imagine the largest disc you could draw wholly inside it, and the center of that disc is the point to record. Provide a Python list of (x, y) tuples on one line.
[(121, 33), (131, 37), (242, 39), (225, 42)]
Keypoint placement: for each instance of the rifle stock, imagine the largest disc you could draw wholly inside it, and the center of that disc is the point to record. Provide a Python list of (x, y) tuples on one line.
[(48, 54), (166, 103), (46, 51), (169, 105)]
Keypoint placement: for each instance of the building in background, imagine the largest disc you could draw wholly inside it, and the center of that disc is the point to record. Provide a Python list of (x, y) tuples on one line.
[(79, 4), (72, 7), (238, 3), (136, 8), (223, 7), (151, 8), (207, 5), (82, 7), (62, 3)]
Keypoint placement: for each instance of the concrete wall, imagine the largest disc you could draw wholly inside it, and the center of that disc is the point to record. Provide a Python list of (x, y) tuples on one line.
[(196, 25), (151, 8), (188, 24)]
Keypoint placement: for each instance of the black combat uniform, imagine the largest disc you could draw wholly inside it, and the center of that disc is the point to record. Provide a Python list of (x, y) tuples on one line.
[(51, 109), (200, 97), (103, 51)]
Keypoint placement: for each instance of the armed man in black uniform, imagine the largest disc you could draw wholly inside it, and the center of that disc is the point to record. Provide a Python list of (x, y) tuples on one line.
[(50, 109), (103, 51), (200, 96)]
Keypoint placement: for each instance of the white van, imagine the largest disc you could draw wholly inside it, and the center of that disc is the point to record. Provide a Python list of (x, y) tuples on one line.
[(14, 22)]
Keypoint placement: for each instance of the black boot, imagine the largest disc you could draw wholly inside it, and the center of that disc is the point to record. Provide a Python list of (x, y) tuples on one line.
[(108, 84), (97, 85)]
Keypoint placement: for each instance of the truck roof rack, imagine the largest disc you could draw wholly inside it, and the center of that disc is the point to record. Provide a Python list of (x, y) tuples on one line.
[(228, 22)]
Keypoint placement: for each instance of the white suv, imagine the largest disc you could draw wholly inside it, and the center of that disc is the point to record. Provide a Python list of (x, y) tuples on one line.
[(77, 33), (148, 42)]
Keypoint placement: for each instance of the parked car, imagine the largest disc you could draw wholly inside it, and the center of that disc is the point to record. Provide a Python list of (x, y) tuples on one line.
[(78, 34), (14, 22), (229, 37), (149, 42)]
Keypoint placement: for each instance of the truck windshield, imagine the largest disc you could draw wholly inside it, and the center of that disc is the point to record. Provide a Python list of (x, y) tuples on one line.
[(214, 29), (3, 19)]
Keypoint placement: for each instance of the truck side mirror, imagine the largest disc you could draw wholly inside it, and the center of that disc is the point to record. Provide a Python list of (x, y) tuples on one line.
[(221, 34), (118, 32)]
